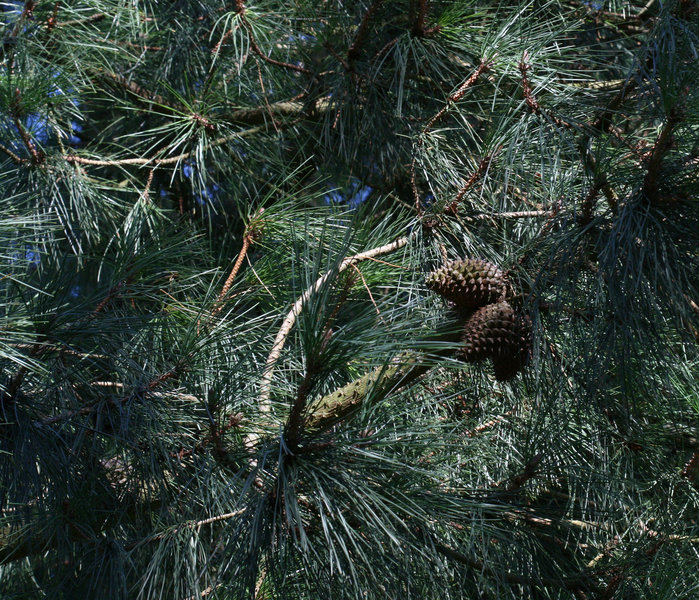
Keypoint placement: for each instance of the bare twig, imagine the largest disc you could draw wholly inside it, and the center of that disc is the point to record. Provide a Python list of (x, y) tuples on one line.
[(570, 583), (90, 409), (483, 67), (15, 158), (455, 97), (91, 19), (691, 469), (246, 115), (530, 98), (37, 155), (74, 158), (587, 205), (247, 240), (452, 207)]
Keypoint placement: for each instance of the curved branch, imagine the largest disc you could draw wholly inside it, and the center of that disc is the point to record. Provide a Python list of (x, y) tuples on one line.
[(280, 340)]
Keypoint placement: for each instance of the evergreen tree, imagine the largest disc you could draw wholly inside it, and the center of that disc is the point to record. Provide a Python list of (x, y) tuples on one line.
[(332, 299)]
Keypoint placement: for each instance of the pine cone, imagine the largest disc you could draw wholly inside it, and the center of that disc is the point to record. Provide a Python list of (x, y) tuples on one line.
[(490, 331), (512, 358), (468, 283)]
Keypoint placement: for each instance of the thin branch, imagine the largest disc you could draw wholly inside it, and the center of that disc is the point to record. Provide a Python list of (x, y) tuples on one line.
[(240, 9), (140, 92), (569, 583), (419, 25), (288, 323), (247, 240), (691, 469), (37, 156), (15, 158), (587, 206), (529, 96), (91, 19), (88, 410), (252, 233), (483, 67), (452, 207), (591, 163), (385, 49), (360, 36), (75, 159), (289, 108), (190, 525), (660, 148)]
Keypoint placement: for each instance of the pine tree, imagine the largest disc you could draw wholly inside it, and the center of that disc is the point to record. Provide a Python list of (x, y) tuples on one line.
[(369, 299)]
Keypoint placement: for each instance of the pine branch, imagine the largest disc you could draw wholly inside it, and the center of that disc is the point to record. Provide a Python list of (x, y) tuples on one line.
[(569, 583), (660, 148), (360, 36), (290, 319), (419, 26), (241, 10)]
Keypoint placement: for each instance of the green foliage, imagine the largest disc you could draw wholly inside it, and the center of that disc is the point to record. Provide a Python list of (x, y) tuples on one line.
[(223, 374)]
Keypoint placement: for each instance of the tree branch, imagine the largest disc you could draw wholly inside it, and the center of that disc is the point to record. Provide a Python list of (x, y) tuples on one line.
[(360, 36), (288, 323)]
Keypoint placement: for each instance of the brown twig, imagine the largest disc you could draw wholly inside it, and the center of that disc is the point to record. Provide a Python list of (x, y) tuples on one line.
[(91, 19), (452, 207), (139, 91), (483, 67), (587, 206), (15, 158), (488, 425), (53, 19), (516, 214), (530, 98), (618, 576), (247, 240), (569, 583), (345, 65), (37, 155), (691, 469), (385, 49), (111, 294), (529, 471), (240, 9), (215, 436), (360, 36), (591, 163), (413, 186), (453, 98), (149, 181), (88, 410), (419, 25), (252, 233), (661, 146), (287, 107), (16, 110), (75, 159), (191, 525)]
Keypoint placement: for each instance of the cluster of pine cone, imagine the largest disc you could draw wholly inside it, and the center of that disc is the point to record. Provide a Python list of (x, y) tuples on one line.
[(492, 328)]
